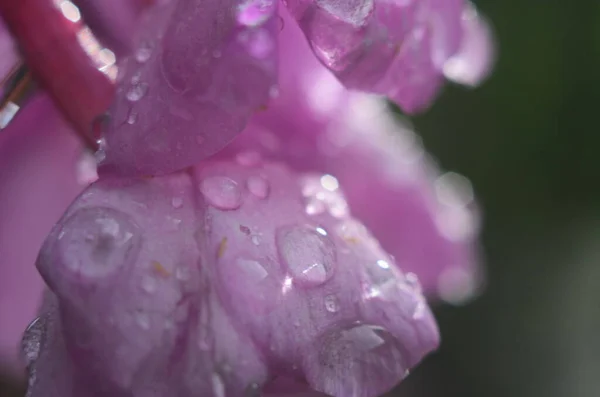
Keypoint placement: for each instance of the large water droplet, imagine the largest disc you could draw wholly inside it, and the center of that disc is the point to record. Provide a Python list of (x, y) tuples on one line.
[(221, 192), (355, 361), (309, 255), (255, 12), (258, 186), (33, 340), (95, 242)]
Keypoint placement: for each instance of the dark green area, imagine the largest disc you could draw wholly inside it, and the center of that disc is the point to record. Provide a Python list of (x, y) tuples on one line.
[(529, 140)]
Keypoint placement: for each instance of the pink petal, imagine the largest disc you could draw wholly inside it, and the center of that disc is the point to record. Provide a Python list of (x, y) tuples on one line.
[(164, 286), (201, 70), (393, 48)]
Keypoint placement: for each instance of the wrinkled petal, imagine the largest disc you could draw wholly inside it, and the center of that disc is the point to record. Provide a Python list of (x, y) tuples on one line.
[(38, 180), (477, 54), (394, 48), (212, 282), (201, 70)]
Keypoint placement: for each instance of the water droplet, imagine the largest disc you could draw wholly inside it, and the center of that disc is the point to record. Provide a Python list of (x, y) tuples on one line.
[(322, 194), (218, 386), (144, 52), (252, 270), (329, 182), (248, 159), (253, 13), (143, 320), (332, 304), (255, 238), (182, 273), (132, 117), (177, 202), (137, 92), (274, 92), (149, 284), (309, 256), (413, 281), (33, 340), (221, 192), (98, 241), (258, 186), (100, 154), (347, 359)]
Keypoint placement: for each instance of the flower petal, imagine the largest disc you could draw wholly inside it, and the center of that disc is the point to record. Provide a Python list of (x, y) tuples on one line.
[(394, 48), (200, 283), (201, 70)]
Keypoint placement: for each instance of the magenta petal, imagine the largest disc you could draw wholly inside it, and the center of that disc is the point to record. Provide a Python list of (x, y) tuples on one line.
[(429, 223), (477, 54), (201, 70), (38, 157), (195, 284), (394, 48)]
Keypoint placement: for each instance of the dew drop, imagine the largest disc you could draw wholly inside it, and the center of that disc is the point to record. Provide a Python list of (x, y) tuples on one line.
[(258, 186), (255, 239), (309, 256), (96, 242), (221, 192), (144, 52), (132, 118), (182, 273), (177, 202), (332, 304), (33, 340), (137, 91), (149, 284)]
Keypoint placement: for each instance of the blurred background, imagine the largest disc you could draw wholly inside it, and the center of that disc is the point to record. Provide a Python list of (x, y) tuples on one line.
[(528, 141)]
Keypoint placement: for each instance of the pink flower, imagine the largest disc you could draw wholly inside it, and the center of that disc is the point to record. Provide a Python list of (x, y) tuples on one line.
[(250, 272)]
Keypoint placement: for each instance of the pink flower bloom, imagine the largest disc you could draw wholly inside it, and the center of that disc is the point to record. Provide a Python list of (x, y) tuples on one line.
[(252, 268), (428, 222), (215, 281)]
